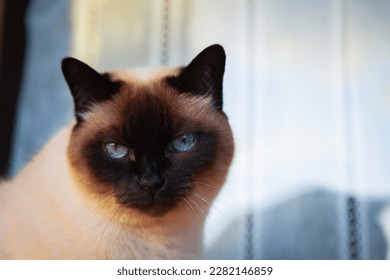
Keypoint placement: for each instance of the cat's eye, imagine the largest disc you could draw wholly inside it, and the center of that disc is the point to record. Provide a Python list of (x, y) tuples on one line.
[(183, 143), (115, 151)]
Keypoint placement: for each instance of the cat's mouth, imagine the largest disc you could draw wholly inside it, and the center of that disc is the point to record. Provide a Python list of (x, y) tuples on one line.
[(156, 204)]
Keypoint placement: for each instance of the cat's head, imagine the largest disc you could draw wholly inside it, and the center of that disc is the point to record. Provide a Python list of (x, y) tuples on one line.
[(153, 144)]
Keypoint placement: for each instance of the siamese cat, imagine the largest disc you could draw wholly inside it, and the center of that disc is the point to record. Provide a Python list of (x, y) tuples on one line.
[(134, 174)]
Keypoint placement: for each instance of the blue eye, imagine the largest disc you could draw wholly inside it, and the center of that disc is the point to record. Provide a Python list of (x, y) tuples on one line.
[(183, 143), (115, 151)]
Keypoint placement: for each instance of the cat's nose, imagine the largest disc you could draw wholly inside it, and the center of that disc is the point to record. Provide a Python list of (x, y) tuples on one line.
[(151, 184)]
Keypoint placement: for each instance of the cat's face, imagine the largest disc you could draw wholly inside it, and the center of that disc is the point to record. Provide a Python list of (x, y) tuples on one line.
[(151, 144)]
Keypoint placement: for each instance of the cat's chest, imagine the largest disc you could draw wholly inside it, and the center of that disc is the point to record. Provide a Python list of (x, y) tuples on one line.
[(124, 244)]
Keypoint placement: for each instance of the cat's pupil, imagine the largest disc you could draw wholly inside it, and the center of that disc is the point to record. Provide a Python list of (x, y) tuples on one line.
[(115, 151), (183, 143)]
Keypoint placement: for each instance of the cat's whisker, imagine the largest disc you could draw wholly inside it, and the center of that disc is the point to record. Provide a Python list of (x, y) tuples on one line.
[(208, 185), (197, 205), (185, 205), (92, 215), (115, 210), (194, 206), (198, 195), (188, 203), (109, 207), (227, 191), (212, 205)]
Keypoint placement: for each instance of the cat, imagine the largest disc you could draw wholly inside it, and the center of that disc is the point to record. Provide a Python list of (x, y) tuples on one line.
[(133, 176)]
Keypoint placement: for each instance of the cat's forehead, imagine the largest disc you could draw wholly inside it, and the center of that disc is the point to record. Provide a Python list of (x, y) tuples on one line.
[(151, 105), (146, 88)]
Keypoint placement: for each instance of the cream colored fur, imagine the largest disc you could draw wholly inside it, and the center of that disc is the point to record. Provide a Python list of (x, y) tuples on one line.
[(44, 215)]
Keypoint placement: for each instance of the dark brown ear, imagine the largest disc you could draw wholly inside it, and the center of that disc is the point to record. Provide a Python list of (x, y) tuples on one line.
[(204, 75), (86, 85)]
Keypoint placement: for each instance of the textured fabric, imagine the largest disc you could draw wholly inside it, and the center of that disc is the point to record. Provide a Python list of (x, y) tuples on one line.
[(306, 91)]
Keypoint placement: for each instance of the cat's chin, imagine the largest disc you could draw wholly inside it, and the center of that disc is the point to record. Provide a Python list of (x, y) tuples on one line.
[(151, 207), (156, 211), (156, 204)]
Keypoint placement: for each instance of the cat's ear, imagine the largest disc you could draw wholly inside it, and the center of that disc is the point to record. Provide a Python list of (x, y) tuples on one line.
[(87, 86), (204, 75)]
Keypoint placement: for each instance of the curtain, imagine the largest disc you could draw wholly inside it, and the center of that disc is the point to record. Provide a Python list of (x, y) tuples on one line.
[(306, 90)]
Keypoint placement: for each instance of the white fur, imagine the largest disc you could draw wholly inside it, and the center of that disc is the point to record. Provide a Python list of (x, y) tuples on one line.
[(45, 215)]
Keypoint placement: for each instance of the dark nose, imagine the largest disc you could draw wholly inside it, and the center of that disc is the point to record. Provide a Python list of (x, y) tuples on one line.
[(148, 175), (151, 183)]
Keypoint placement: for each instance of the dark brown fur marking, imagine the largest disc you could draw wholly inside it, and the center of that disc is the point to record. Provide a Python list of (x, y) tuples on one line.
[(146, 117)]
